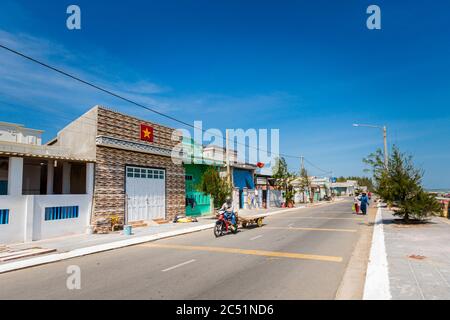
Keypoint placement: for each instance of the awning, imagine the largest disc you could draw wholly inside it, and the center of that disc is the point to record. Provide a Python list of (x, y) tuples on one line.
[(243, 179)]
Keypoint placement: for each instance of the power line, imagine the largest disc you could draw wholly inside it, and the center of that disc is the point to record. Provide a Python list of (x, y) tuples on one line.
[(118, 96), (313, 165)]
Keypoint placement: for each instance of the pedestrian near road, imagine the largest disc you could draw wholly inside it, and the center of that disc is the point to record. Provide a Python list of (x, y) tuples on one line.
[(364, 203), (356, 204)]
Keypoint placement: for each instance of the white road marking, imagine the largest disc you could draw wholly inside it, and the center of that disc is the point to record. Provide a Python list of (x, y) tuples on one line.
[(291, 225), (254, 238), (178, 265), (377, 277)]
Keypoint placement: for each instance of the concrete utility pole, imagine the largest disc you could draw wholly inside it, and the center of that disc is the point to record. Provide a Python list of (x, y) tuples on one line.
[(386, 157), (227, 154)]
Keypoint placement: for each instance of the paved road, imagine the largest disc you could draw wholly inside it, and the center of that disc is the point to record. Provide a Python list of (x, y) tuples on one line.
[(297, 255)]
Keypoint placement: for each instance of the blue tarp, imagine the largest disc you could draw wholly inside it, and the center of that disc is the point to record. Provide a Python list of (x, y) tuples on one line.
[(243, 179)]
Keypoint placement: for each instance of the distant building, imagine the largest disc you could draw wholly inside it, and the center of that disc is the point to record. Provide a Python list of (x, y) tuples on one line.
[(347, 188), (17, 133)]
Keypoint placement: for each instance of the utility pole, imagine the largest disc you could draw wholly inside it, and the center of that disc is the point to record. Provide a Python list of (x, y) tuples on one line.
[(386, 158), (227, 152), (302, 169)]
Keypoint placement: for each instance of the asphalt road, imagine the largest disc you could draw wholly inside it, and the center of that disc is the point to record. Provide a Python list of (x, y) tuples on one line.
[(296, 255)]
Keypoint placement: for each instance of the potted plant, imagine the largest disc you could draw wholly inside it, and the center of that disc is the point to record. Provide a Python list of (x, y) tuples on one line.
[(290, 198)]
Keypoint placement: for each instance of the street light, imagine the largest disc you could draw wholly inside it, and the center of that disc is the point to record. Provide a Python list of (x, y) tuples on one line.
[(384, 138)]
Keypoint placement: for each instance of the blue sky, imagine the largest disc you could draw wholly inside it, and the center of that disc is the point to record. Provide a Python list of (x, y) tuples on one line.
[(309, 68)]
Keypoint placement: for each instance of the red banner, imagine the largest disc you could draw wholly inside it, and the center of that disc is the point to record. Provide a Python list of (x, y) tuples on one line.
[(146, 133)]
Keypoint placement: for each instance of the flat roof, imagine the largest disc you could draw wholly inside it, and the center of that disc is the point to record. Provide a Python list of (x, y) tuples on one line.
[(18, 125)]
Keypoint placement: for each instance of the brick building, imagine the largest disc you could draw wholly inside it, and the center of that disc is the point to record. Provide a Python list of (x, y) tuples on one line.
[(135, 177)]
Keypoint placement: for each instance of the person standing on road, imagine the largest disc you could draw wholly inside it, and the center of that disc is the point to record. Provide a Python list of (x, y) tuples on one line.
[(356, 203), (364, 203)]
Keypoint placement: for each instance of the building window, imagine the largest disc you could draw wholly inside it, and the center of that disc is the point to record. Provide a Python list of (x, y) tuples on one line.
[(143, 173), (61, 213), (4, 216), (188, 177)]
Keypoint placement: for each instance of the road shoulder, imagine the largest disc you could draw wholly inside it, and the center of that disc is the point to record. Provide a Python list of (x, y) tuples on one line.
[(352, 285)]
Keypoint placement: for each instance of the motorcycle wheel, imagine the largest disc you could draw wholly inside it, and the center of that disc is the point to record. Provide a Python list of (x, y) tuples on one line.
[(218, 230)]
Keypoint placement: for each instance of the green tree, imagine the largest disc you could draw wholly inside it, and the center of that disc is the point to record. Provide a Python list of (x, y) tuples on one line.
[(211, 183), (305, 185), (283, 179), (400, 185)]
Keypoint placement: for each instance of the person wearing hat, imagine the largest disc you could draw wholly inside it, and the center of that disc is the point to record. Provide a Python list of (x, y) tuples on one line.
[(364, 203)]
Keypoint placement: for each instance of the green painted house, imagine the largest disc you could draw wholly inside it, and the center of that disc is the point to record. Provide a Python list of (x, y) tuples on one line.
[(197, 203)]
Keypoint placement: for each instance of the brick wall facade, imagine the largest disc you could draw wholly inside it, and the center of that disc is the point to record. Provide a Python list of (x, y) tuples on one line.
[(109, 194)]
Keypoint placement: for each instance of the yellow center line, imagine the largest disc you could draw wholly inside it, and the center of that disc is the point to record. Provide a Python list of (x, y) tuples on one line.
[(264, 253), (326, 218), (310, 229)]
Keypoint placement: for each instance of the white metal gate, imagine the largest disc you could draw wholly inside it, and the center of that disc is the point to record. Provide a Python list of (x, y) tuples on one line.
[(146, 194)]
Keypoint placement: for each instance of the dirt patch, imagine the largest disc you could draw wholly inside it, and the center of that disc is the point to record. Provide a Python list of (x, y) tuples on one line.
[(400, 223), (416, 257)]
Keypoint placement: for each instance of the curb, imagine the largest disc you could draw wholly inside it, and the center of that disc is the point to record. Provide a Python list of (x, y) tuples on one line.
[(23, 264), (377, 277)]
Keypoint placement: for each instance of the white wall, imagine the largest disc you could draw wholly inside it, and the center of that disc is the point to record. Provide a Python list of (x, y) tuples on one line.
[(55, 228), (27, 217), (15, 230), (275, 198), (79, 136)]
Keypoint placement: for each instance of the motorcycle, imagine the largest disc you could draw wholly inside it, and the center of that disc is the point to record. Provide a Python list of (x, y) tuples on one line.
[(223, 225)]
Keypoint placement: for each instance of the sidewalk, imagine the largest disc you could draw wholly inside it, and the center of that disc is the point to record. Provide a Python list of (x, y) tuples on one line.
[(417, 259), (84, 244)]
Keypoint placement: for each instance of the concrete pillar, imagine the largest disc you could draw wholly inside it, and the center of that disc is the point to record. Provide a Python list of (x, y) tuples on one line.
[(66, 178), (15, 176), (90, 178), (29, 220), (50, 176), (245, 192), (211, 205)]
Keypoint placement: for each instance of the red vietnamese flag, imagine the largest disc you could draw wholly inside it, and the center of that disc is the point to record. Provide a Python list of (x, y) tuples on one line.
[(146, 133)]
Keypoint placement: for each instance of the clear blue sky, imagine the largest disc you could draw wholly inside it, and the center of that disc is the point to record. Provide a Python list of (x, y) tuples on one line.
[(309, 68)]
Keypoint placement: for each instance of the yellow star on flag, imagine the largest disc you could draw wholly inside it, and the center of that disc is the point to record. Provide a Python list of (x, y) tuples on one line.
[(147, 133)]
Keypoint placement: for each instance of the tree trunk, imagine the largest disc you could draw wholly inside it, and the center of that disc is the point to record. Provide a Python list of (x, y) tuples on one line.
[(406, 217)]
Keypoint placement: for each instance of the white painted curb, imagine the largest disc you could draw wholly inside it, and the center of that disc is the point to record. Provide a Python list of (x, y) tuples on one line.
[(377, 276), (12, 266)]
